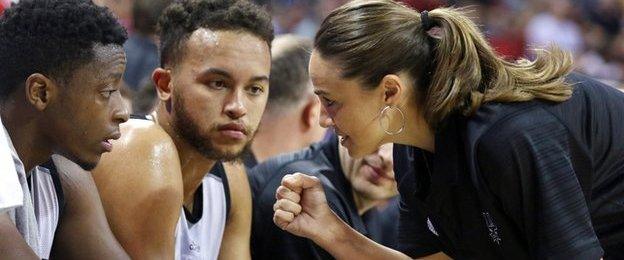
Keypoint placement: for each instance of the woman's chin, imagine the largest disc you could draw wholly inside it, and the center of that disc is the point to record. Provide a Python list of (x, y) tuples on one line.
[(356, 152)]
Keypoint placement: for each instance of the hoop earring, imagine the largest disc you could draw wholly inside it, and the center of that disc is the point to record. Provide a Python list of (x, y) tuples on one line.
[(381, 115)]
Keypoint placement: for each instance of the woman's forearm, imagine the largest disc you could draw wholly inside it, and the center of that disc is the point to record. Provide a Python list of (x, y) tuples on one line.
[(343, 242)]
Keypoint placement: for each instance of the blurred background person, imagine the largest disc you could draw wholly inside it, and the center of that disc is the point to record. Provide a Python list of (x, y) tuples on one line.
[(361, 192), (557, 17), (142, 46), (121, 8), (144, 100), (290, 120), (4, 4)]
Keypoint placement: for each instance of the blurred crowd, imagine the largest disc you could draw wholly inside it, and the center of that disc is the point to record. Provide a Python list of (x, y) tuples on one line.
[(590, 29)]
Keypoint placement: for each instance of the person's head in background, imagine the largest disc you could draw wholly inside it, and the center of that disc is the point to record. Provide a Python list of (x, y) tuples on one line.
[(142, 46), (561, 9), (145, 14), (371, 177), (290, 121), (213, 82), (60, 74)]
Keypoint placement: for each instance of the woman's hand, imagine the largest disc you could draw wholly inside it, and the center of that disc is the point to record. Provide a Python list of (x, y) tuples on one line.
[(301, 207)]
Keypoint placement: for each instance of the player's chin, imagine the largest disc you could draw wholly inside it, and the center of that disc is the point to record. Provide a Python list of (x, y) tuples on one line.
[(86, 157), (89, 163), (231, 152)]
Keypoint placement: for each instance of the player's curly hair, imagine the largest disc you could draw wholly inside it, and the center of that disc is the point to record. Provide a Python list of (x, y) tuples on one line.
[(184, 17), (52, 37)]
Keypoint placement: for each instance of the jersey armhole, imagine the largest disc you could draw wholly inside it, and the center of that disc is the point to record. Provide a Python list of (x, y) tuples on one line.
[(220, 172), (58, 188)]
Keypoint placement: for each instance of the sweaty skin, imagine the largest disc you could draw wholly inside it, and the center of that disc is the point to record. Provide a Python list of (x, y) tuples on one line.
[(236, 236), (139, 180), (210, 103)]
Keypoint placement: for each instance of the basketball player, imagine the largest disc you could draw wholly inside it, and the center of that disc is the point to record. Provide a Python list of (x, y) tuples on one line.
[(165, 190), (60, 69)]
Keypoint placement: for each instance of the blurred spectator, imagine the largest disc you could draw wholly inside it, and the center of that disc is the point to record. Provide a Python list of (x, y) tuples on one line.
[(4, 4), (421, 5), (555, 25), (605, 13), (324, 7), (354, 189), (590, 29), (144, 100), (121, 8), (505, 30), (141, 47), (600, 58), (294, 16)]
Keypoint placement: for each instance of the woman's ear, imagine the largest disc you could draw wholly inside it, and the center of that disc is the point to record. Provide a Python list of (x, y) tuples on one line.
[(393, 88)]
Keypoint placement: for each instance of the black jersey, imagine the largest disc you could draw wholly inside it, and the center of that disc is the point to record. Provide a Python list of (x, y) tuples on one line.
[(535, 179)]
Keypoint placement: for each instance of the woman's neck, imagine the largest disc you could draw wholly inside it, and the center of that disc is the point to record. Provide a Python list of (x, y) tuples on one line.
[(417, 132)]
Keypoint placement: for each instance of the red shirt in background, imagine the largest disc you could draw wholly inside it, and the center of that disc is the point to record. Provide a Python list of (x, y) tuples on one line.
[(4, 4), (422, 5)]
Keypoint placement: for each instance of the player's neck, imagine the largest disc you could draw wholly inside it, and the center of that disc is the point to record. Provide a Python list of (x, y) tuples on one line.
[(31, 147), (194, 167), (193, 164)]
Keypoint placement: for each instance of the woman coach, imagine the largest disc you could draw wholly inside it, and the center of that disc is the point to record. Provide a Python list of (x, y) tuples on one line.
[(495, 159)]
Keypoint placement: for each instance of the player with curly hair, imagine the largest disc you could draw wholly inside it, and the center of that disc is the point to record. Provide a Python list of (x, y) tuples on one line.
[(61, 65), (170, 190)]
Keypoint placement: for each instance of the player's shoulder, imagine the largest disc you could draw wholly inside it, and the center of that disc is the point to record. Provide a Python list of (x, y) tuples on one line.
[(144, 133), (144, 154)]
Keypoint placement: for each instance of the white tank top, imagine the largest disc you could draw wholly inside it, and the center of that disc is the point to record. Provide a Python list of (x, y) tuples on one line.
[(201, 238), (10, 187), (47, 205), (42, 201)]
